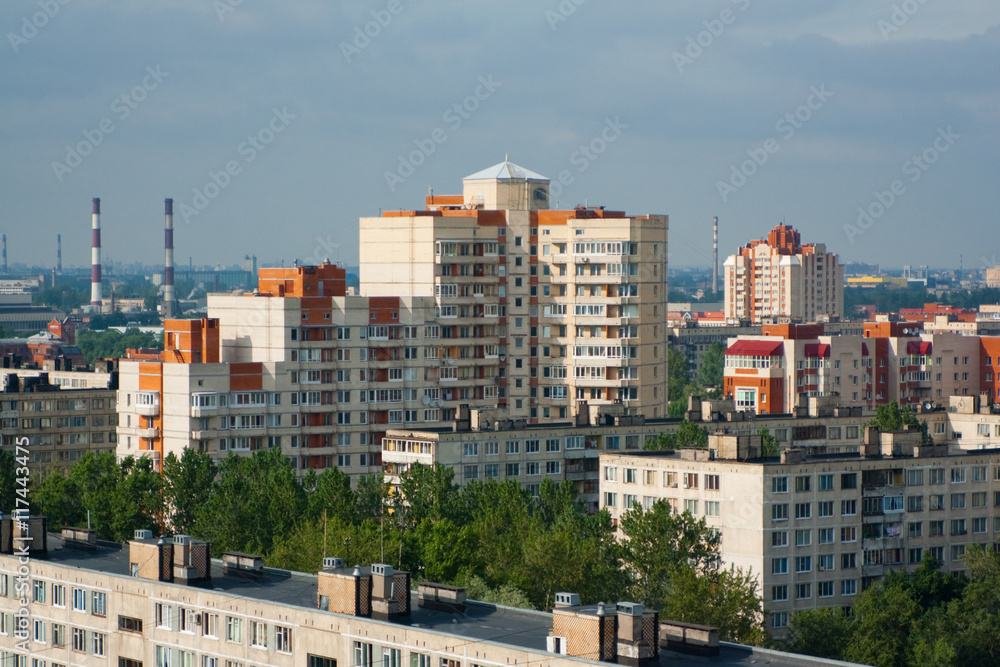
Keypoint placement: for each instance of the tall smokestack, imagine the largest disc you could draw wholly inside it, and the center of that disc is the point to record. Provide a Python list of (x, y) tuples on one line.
[(715, 255), (5, 253), (95, 258), (58, 253), (169, 300)]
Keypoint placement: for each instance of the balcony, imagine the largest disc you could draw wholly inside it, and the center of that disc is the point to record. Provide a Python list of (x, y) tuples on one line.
[(148, 410), (151, 433)]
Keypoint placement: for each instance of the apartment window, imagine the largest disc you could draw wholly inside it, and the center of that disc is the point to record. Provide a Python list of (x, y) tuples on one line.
[(937, 528), (611, 500), (803, 538), (779, 485), (935, 476), (779, 593), (979, 473), (712, 482), (779, 538), (38, 592), (99, 604), (513, 469), (779, 512), (848, 561), (40, 633), (803, 510), (691, 507), (79, 599), (234, 629), (803, 563), (362, 654), (825, 562), (283, 641), (826, 482), (848, 508), (492, 471), (958, 501), (58, 634), (936, 501), (711, 508), (802, 483), (915, 529), (690, 480), (849, 480), (471, 472), (470, 449), (915, 504), (979, 525), (849, 587), (670, 481), (779, 619), (58, 595), (848, 534), (610, 474), (630, 475), (914, 555), (825, 508), (957, 552), (825, 536), (958, 527), (97, 643), (958, 475), (803, 591), (79, 640), (779, 566), (128, 624), (553, 467)]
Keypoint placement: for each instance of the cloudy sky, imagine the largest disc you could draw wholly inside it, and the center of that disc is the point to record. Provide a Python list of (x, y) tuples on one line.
[(871, 126)]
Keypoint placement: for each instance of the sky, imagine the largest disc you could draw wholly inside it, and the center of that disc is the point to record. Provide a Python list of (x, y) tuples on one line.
[(872, 127)]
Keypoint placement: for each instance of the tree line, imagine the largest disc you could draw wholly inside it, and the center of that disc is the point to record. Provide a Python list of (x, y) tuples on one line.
[(506, 546)]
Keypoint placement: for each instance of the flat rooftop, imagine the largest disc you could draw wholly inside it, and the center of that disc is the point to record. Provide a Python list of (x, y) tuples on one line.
[(522, 628)]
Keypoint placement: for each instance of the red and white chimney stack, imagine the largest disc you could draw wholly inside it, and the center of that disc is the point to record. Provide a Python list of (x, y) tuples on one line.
[(169, 298), (95, 258)]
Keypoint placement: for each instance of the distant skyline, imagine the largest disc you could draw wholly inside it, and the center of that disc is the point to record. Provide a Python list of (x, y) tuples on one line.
[(871, 127)]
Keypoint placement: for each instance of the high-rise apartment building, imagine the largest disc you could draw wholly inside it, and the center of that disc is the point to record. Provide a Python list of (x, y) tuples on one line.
[(514, 308), (780, 279)]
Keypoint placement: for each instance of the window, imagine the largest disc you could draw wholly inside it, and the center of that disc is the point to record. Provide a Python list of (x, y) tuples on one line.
[(937, 528), (848, 507), (58, 595), (803, 510), (848, 561), (58, 634), (935, 476), (553, 467), (803, 538), (712, 482), (610, 474), (38, 591), (848, 534), (779, 593), (803, 591), (914, 555), (979, 525), (234, 629), (915, 529), (283, 641), (803, 563), (802, 483), (957, 552), (936, 501), (711, 508), (39, 634), (826, 482), (79, 640), (849, 587), (915, 504), (779, 566), (630, 475), (258, 634), (79, 599), (99, 604), (779, 512), (958, 527), (779, 619), (492, 471), (611, 500), (128, 624), (779, 485), (362, 654), (691, 507), (779, 538), (825, 508), (979, 499), (513, 470), (825, 536), (849, 480), (958, 475), (826, 562), (958, 501)]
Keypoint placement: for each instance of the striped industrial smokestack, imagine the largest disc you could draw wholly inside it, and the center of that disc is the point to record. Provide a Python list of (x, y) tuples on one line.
[(95, 258), (169, 299), (59, 253)]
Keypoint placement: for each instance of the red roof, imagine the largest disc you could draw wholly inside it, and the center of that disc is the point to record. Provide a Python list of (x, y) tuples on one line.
[(757, 348), (818, 350), (918, 347)]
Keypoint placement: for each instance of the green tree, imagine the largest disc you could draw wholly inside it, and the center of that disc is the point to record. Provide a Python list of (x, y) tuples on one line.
[(331, 491), (678, 374), (187, 486), (769, 444), (890, 417), (428, 493), (137, 499), (661, 542), (712, 365), (255, 501), (886, 615), (823, 632), (8, 481), (112, 344), (688, 434), (724, 598)]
